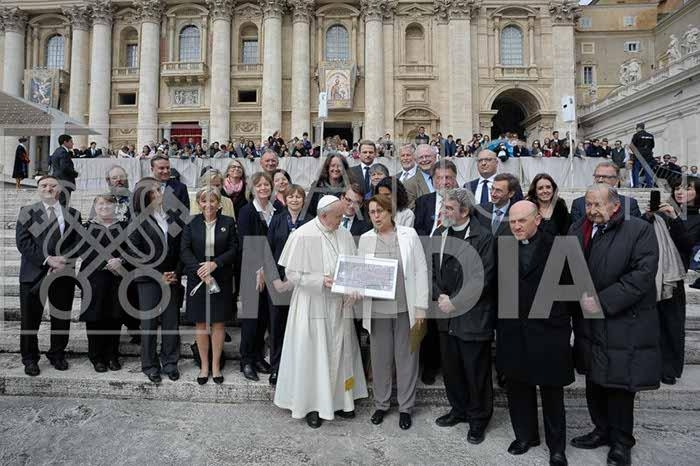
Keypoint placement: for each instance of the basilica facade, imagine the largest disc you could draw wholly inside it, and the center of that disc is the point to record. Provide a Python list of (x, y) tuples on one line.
[(139, 70)]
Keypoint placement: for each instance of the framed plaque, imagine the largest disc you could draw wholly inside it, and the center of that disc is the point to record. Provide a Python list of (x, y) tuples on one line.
[(368, 276)]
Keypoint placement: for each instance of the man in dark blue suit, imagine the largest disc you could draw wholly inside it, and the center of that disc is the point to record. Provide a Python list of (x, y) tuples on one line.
[(160, 167), (61, 163), (487, 164), (609, 173)]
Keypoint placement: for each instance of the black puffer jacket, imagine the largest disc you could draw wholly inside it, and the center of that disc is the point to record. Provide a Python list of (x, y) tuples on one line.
[(621, 350)]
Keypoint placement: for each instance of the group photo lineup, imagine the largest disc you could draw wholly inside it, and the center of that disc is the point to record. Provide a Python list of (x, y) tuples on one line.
[(350, 232)]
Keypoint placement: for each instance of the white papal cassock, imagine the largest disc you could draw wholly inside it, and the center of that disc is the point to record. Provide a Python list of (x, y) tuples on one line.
[(321, 367)]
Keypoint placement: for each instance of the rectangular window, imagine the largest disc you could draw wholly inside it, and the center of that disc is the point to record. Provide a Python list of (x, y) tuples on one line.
[(585, 22), (628, 21), (127, 98), (247, 97), (587, 75), (632, 46), (132, 56), (587, 48), (249, 52)]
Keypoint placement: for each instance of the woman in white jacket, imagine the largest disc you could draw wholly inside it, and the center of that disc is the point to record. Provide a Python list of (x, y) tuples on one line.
[(389, 322)]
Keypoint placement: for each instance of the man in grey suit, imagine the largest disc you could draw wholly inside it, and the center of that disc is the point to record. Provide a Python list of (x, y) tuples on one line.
[(360, 173), (422, 182), (609, 173), (407, 157)]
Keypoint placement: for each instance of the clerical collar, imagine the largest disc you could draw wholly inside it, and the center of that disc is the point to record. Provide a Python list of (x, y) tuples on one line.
[(461, 227), (322, 227), (525, 242)]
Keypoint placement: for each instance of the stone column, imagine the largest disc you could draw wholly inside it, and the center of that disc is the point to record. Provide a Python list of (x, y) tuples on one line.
[(15, 21), (2, 48), (272, 67), (357, 132), (564, 15), (388, 36), (220, 101), (301, 79), (79, 18), (100, 70), (373, 11), (35, 47), (460, 84), (171, 38), (443, 64), (149, 12), (531, 38)]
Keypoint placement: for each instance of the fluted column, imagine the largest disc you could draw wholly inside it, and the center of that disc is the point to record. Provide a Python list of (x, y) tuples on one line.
[(79, 19), (301, 79), (149, 12), (272, 67), (220, 101), (388, 33), (15, 21), (564, 15), (460, 84), (373, 11), (100, 70), (440, 11)]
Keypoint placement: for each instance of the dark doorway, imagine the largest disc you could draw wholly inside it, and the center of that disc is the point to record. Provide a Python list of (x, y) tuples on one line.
[(509, 118), (343, 130)]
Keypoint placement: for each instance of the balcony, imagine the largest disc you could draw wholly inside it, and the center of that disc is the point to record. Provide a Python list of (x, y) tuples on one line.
[(125, 74), (516, 73), (184, 72), (247, 70), (415, 71)]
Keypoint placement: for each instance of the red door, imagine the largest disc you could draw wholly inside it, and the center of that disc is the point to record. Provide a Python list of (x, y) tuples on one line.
[(183, 131)]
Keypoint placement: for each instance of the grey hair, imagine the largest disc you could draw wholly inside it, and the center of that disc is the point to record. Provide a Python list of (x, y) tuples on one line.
[(410, 147), (464, 197), (613, 195), (609, 164), (270, 151), (425, 147), (378, 167), (209, 176)]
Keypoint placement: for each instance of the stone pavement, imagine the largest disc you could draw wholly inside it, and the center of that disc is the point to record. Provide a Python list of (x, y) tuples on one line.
[(80, 431)]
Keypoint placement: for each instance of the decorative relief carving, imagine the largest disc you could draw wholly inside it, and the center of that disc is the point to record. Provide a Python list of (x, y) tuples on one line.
[(246, 127), (220, 9), (272, 8), (302, 10), (373, 10), (149, 11), (185, 97), (14, 19), (248, 11), (564, 11), (102, 11), (78, 17)]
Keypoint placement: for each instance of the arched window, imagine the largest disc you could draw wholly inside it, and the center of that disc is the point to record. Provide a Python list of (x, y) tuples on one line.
[(130, 51), (55, 52), (189, 44), (337, 43), (250, 54), (511, 46), (415, 45)]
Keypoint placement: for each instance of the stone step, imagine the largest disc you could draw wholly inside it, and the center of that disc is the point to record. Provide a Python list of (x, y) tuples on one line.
[(83, 382), (78, 344)]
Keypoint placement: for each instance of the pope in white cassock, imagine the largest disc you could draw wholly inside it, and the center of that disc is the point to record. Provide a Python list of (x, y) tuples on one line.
[(321, 372)]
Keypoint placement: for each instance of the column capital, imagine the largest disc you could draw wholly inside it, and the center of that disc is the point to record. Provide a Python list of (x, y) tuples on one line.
[(102, 11), (564, 12), (14, 19), (455, 9), (78, 17), (221, 9), (372, 10), (302, 10), (389, 10), (149, 11), (272, 8)]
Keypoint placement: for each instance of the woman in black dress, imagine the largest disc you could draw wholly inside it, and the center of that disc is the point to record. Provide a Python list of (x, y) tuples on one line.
[(235, 185), (544, 192), (332, 180), (208, 249), (102, 315), (20, 170), (282, 225)]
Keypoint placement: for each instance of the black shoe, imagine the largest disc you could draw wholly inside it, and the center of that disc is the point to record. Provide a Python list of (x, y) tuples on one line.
[(135, 340), (590, 441), (203, 380), (668, 380), (558, 459), (273, 379), (476, 435), (114, 365), (346, 414), (518, 447), (155, 378), (227, 338), (174, 375), (263, 367), (249, 372), (32, 369), (619, 455), (60, 364), (219, 379), (378, 417), (100, 366), (428, 377), (313, 420), (449, 420), (405, 421)]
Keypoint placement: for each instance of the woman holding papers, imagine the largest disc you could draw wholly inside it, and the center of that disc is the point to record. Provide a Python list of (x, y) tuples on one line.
[(391, 322), (209, 247)]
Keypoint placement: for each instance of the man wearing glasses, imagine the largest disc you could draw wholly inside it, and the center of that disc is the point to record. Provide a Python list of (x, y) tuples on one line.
[(422, 183), (486, 164), (609, 173)]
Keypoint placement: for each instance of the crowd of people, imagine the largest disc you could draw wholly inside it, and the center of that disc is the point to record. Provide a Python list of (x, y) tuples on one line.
[(452, 298)]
